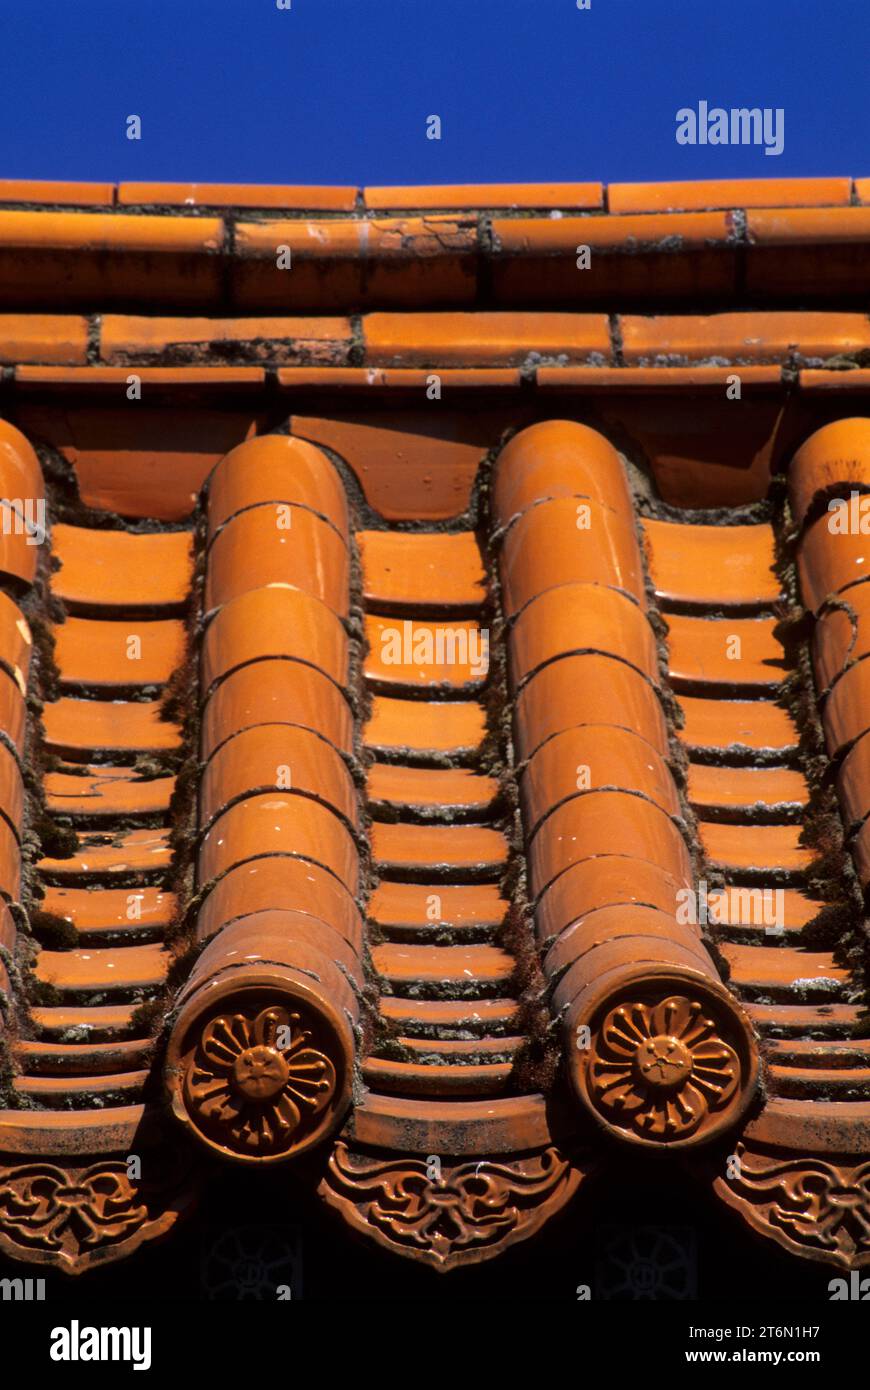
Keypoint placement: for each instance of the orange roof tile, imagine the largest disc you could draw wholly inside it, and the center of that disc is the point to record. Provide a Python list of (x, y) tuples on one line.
[(229, 195), (56, 191), (439, 769), (487, 195), (727, 193), (395, 340)]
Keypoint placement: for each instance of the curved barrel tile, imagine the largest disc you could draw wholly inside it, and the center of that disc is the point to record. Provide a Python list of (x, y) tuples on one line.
[(22, 530), (798, 1171), (575, 618), (274, 622), (22, 508), (828, 465), (557, 771), (613, 692), (558, 458), (260, 1061), (261, 1057), (830, 475), (563, 541), (275, 691), (656, 1048), (280, 881), (265, 755), (267, 546), (841, 636), (279, 469), (279, 823), (833, 463)]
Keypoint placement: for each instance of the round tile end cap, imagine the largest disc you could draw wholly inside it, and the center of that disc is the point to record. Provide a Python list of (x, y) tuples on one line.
[(259, 1064), (662, 1058)]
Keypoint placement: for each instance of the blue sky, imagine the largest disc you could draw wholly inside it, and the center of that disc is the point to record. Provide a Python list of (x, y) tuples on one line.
[(338, 91)]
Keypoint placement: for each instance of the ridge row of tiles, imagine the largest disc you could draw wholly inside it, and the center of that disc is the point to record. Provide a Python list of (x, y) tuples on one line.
[(618, 198), (606, 852), (829, 493), (260, 1061), (576, 379), (22, 511), (485, 338), (124, 257)]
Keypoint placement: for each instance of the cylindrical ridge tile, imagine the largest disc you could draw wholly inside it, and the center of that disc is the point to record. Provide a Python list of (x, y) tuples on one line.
[(835, 456), (260, 1059), (558, 458), (16, 641), (273, 691), (11, 790), (607, 924), (274, 622), (10, 862), (263, 936), (846, 711), (656, 1049), (279, 823), (13, 711), (568, 542), (608, 880), (20, 473), (599, 823), (23, 517), (581, 617), (280, 757), (280, 881), (841, 635), (257, 549), (853, 782), (23, 523), (276, 468), (831, 563), (593, 757), (588, 689)]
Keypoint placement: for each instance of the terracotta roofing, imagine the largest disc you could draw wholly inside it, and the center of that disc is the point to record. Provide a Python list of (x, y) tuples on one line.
[(433, 637)]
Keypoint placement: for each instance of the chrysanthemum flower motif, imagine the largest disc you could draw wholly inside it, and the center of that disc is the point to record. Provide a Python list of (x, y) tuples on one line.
[(662, 1069), (255, 1082)]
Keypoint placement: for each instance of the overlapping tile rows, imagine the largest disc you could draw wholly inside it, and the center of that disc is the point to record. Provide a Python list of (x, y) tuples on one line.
[(98, 897), (452, 1108), (724, 591), (747, 773), (697, 195), (395, 347), (512, 836), (198, 246)]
